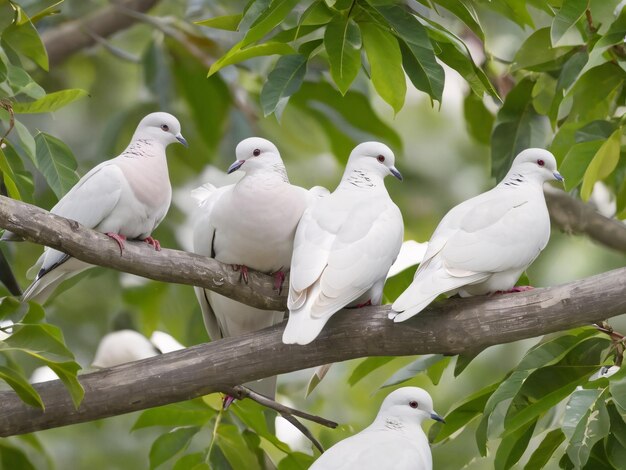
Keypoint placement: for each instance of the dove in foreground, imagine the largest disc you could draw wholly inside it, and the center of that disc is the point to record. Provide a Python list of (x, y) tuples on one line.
[(125, 198), (395, 440), (484, 244), (250, 224), (345, 244)]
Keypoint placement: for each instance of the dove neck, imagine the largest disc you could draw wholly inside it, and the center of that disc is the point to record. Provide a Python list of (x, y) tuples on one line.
[(274, 172), (396, 422), (360, 178), (144, 147), (515, 179)]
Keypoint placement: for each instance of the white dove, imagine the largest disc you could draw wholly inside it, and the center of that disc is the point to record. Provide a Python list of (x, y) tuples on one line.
[(345, 244), (125, 197), (395, 440), (484, 244), (250, 224)]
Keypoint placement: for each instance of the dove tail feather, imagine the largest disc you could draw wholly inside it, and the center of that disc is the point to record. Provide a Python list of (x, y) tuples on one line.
[(302, 328), (411, 311), (43, 287)]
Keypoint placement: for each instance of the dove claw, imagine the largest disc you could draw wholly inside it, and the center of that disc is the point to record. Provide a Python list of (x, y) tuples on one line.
[(279, 279), (514, 289), (227, 401), (244, 271), (153, 242), (119, 239)]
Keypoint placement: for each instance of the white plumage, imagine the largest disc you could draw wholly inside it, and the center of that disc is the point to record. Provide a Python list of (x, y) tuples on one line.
[(126, 196), (122, 346), (252, 224), (395, 440), (345, 244), (484, 244)]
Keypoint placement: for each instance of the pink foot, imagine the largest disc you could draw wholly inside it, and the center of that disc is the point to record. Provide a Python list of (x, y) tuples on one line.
[(227, 401), (515, 289), (153, 242), (279, 278), (244, 271), (119, 239), (364, 304)]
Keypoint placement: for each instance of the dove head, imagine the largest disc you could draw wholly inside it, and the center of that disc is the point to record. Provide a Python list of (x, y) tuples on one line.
[(256, 153), (406, 405), (373, 157), (162, 127), (536, 164)]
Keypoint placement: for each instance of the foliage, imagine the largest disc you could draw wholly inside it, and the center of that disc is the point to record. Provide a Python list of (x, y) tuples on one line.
[(327, 67)]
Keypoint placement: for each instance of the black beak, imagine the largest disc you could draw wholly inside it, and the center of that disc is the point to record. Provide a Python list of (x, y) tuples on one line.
[(182, 140), (235, 166), (436, 417), (395, 172)]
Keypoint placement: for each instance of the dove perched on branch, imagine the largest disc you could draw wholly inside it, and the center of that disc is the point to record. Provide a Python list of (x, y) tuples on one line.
[(345, 244), (250, 224), (484, 244), (395, 440), (125, 198)]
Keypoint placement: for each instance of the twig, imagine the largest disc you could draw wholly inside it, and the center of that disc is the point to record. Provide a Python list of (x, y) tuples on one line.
[(240, 392), (304, 430)]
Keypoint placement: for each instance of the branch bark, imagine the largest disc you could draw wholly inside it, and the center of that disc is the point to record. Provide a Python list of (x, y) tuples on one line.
[(68, 38), (574, 216), (450, 327)]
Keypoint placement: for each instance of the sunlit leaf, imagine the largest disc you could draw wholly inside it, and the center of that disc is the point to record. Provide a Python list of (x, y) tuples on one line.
[(513, 446), (296, 461), (537, 53), (283, 81), (342, 41), (569, 13), (227, 22), (25, 39), (187, 413), (50, 103), (366, 367), (9, 177), (56, 163), (414, 368), (169, 444), (237, 54), (20, 385), (541, 455), (232, 444), (268, 20), (603, 163)]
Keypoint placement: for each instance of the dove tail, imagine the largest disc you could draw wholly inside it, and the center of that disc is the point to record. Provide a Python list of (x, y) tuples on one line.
[(399, 313), (43, 287), (302, 328)]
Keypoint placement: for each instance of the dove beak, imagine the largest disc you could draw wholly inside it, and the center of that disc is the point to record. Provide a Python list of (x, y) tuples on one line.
[(181, 139), (558, 177), (436, 417), (235, 166), (395, 172)]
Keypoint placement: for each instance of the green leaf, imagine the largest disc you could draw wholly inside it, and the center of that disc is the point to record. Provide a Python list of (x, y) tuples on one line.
[(478, 119), (296, 461), (342, 41), (414, 368), (49, 10), (233, 445), (255, 417), (189, 461), (568, 15), (268, 20), (513, 446), (20, 385), (544, 451), (56, 163), (366, 367), (569, 73), (464, 10), (187, 413), (12, 458), (595, 93), (237, 54), (49, 103), (227, 22), (621, 201), (615, 33), (168, 445), (317, 13), (518, 127), (462, 414), (25, 39), (585, 422), (9, 177), (418, 56), (576, 162), (385, 59), (21, 82), (282, 82), (603, 163), (537, 54)]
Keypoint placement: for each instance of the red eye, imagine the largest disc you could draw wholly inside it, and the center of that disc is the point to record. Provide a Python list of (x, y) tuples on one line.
[(413, 404), (256, 152), (541, 162), (380, 158), (165, 127)]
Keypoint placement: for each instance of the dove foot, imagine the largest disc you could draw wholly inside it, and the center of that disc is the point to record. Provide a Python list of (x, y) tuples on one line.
[(119, 239), (515, 289), (364, 304), (227, 401), (153, 242), (244, 271), (279, 279)]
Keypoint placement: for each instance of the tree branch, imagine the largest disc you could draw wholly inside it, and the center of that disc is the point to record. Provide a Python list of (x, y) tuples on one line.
[(450, 327), (40, 226), (574, 216), (68, 38)]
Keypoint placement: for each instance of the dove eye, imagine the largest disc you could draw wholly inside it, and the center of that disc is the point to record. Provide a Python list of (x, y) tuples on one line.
[(165, 127), (541, 162), (256, 152), (380, 158), (413, 404)]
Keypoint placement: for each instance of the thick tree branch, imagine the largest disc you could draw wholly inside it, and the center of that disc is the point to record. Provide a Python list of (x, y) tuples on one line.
[(40, 226), (574, 216), (450, 327), (69, 38)]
